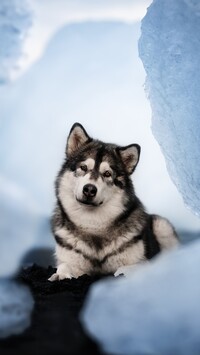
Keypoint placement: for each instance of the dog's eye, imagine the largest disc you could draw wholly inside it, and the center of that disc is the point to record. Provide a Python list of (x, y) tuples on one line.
[(107, 173), (83, 167)]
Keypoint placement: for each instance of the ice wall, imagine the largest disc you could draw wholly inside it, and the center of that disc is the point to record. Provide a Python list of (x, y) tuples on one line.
[(15, 21), (170, 51)]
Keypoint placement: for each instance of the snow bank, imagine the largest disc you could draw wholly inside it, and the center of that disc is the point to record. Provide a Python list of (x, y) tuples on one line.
[(16, 304), (170, 51), (154, 311)]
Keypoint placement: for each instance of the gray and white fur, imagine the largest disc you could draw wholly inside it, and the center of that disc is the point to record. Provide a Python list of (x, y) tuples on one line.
[(99, 224)]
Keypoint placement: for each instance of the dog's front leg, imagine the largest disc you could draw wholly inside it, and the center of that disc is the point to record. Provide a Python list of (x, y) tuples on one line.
[(63, 272), (69, 265)]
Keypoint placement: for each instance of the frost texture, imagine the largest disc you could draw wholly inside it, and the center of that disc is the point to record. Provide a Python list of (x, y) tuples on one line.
[(15, 21), (16, 304), (170, 51), (155, 311)]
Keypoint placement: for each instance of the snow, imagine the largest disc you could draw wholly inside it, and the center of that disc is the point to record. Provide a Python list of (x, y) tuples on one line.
[(15, 22), (170, 51), (27, 26), (16, 304), (154, 311), (23, 226)]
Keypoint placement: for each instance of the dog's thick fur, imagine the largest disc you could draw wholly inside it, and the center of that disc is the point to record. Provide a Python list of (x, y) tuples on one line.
[(99, 224)]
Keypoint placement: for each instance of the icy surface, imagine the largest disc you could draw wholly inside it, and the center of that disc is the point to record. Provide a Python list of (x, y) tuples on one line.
[(170, 51), (16, 304), (15, 21), (155, 311)]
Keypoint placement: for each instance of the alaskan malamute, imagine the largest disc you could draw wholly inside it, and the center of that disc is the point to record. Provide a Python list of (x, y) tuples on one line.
[(99, 224)]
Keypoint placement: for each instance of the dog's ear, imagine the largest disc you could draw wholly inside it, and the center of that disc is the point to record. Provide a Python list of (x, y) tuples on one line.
[(76, 139), (130, 156)]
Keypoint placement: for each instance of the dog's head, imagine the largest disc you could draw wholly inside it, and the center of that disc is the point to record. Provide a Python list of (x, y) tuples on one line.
[(96, 174)]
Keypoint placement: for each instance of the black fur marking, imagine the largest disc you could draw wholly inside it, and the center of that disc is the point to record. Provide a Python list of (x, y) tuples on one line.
[(99, 157), (119, 183), (151, 244), (95, 261), (63, 243), (131, 206), (122, 248), (97, 243), (66, 221)]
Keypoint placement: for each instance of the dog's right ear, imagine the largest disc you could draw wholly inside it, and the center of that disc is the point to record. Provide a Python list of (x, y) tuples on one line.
[(76, 139)]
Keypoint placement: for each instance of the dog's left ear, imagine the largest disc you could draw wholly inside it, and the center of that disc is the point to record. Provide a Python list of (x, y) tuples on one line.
[(130, 156), (76, 139)]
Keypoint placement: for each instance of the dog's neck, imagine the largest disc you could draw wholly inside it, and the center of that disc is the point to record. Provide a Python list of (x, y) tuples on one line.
[(92, 220)]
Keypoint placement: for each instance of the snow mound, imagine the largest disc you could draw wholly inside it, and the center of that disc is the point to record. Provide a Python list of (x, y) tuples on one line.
[(154, 311), (16, 304)]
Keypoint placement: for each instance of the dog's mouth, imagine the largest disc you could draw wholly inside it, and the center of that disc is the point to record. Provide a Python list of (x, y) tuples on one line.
[(89, 203)]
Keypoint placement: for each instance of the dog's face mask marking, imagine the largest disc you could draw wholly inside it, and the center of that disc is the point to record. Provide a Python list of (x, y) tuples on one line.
[(96, 174), (93, 183)]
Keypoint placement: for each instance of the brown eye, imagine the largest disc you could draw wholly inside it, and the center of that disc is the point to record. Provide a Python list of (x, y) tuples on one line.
[(107, 174), (83, 167)]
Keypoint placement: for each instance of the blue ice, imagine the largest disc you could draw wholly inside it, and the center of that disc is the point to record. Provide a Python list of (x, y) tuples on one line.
[(170, 51)]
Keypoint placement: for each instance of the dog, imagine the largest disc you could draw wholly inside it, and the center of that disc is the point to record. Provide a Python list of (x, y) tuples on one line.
[(99, 224)]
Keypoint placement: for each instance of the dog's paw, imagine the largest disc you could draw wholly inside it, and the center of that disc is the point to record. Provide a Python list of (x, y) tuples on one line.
[(126, 270), (53, 277), (59, 277)]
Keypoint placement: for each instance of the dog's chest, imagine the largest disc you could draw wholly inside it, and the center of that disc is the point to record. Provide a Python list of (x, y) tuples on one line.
[(100, 252)]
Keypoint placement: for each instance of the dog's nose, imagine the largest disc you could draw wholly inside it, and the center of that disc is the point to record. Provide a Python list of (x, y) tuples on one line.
[(89, 190)]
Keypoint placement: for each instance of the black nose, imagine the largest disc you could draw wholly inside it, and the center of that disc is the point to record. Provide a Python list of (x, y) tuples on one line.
[(89, 190)]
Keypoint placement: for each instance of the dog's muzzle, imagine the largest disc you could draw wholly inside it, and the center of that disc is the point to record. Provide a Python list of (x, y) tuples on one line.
[(88, 196), (89, 191)]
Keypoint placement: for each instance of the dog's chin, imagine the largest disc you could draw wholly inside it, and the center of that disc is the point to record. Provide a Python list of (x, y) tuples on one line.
[(89, 203)]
